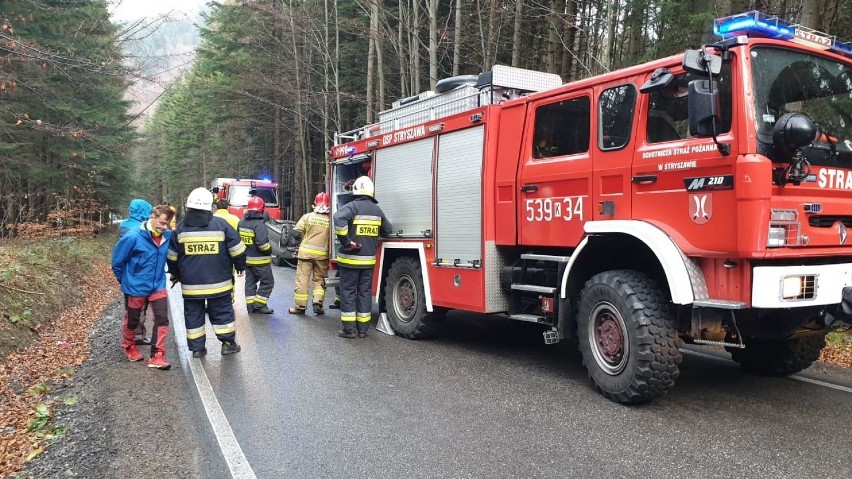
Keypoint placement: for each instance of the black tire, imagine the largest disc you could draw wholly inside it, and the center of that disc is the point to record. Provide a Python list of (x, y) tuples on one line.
[(628, 338), (779, 358), (405, 300)]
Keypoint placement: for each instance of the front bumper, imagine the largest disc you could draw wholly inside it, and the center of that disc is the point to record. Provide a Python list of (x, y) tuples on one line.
[(832, 285)]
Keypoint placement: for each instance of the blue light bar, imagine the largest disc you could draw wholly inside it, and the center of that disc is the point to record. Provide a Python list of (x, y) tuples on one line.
[(756, 24), (753, 23)]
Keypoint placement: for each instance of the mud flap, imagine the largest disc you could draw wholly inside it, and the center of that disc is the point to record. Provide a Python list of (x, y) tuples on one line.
[(383, 325)]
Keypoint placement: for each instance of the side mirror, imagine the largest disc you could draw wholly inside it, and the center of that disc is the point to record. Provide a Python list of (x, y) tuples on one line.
[(697, 62), (791, 132), (704, 108)]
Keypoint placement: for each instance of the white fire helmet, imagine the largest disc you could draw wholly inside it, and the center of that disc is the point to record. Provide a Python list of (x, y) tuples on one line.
[(363, 186), (200, 199)]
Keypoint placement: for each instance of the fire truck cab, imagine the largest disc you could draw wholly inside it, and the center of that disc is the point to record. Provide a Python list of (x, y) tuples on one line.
[(701, 198), (238, 191)]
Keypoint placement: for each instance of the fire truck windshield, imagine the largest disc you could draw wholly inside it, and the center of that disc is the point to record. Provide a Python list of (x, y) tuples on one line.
[(788, 81), (239, 195)]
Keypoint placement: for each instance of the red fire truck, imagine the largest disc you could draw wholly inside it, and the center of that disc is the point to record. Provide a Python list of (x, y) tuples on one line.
[(238, 191), (701, 198)]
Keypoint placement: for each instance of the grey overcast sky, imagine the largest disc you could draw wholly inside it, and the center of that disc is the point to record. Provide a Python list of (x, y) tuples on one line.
[(129, 10)]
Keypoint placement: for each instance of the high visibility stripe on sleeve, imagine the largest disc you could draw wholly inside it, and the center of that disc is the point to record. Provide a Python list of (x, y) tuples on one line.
[(264, 246), (237, 249), (342, 230), (172, 255), (205, 289)]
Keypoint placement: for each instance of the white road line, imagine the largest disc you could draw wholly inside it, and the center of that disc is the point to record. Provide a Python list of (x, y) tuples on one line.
[(794, 376), (231, 450), (821, 383)]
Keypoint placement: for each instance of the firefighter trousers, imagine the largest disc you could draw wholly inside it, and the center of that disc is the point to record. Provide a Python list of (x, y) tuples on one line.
[(356, 302), (259, 284), (158, 303), (220, 310), (304, 269)]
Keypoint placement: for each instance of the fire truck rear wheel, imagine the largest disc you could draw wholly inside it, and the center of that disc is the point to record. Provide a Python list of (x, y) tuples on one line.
[(779, 358), (405, 299), (628, 338)]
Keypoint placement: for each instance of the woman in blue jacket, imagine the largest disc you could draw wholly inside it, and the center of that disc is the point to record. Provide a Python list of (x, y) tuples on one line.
[(138, 262)]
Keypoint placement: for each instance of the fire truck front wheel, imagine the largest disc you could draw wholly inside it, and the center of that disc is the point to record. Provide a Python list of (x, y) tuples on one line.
[(628, 338), (779, 358), (405, 299)]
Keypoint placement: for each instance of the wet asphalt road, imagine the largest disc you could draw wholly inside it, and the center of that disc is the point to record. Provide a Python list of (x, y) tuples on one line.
[(488, 399)]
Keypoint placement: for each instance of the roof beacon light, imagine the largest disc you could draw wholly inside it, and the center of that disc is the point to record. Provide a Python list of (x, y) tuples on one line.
[(756, 24)]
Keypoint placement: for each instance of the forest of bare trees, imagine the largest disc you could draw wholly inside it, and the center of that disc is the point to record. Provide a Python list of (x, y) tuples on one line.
[(274, 79)]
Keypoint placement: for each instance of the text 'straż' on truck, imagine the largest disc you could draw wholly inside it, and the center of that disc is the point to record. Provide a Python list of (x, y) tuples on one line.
[(701, 198)]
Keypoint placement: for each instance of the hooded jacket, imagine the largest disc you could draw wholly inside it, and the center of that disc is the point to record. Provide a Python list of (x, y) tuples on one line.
[(139, 263), (139, 212)]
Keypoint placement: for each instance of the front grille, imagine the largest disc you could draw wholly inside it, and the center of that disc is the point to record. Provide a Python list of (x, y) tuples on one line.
[(827, 221)]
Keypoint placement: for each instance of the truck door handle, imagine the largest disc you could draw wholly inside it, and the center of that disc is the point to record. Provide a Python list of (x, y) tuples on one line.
[(645, 179), (528, 188)]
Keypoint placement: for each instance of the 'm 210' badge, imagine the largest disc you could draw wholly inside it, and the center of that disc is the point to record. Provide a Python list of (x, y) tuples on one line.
[(701, 208)]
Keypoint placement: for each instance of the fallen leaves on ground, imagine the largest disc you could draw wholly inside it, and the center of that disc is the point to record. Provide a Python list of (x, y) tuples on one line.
[(63, 344), (838, 350)]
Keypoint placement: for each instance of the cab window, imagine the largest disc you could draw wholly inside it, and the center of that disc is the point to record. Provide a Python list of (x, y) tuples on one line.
[(615, 110), (562, 128), (668, 108)]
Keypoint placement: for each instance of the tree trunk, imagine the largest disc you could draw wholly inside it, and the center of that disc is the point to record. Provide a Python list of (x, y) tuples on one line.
[(516, 36), (414, 46), (371, 59), (433, 43), (380, 62), (457, 39), (404, 84)]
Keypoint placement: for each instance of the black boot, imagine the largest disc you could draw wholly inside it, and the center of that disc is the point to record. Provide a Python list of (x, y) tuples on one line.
[(230, 347), (347, 334), (318, 309), (263, 309)]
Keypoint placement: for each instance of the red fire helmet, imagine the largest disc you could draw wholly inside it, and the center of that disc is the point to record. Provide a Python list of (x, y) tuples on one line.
[(322, 203), (255, 203)]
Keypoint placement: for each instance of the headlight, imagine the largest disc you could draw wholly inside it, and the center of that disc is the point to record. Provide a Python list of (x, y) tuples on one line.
[(777, 237), (791, 287)]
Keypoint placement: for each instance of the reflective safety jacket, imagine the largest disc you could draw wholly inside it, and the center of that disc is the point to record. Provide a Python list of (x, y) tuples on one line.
[(314, 229), (255, 236), (360, 221), (138, 262), (226, 215), (202, 258)]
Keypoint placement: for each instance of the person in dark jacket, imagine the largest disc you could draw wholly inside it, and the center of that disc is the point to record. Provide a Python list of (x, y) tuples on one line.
[(259, 279), (138, 213), (202, 254), (358, 225), (138, 262)]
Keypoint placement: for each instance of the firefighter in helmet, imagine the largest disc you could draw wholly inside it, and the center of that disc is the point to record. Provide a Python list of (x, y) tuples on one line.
[(259, 279), (358, 225), (202, 253), (312, 229)]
